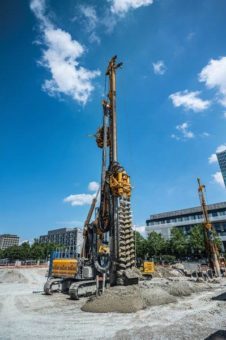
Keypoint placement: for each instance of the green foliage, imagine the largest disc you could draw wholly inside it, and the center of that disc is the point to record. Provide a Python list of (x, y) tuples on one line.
[(217, 240), (197, 240), (156, 244), (38, 251), (141, 245), (178, 242), (168, 258)]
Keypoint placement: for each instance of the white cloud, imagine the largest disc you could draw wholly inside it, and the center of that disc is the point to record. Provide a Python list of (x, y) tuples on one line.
[(175, 136), (79, 199), (213, 158), (60, 57), (83, 199), (218, 178), (214, 76), (121, 7), (183, 128), (189, 100), (205, 134), (224, 115), (91, 22), (39, 7), (90, 14), (93, 186), (140, 229), (159, 67)]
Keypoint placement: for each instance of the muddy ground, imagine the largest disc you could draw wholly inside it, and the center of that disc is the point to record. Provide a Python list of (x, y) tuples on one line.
[(28, 315)]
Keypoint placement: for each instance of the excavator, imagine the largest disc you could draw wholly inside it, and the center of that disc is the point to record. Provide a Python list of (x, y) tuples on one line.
[(216, 263), (108, 251)]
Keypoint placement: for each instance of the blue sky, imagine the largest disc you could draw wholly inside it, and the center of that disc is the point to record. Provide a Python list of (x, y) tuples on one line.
[(171, 105)]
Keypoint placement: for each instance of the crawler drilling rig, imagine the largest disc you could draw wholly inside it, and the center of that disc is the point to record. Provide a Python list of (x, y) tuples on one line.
[(108, 250), (210, 245)]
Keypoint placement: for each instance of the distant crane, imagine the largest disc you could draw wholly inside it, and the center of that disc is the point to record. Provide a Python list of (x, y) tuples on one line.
[(210, 244)]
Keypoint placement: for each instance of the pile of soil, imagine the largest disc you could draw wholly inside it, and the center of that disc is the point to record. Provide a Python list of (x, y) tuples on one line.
[(116, 299), (182, 288), (128, 299), (166, 272), (156, 296), (12, 276)]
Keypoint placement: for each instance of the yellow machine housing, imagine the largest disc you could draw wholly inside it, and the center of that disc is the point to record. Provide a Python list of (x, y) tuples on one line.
[(120, 184), (65, 268), (148, 268)]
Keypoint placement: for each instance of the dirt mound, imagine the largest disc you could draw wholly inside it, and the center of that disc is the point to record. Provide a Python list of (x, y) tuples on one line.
[(128, 299), (166, 272), (181, 289), (156, 297), (12, 276), (116, 299)]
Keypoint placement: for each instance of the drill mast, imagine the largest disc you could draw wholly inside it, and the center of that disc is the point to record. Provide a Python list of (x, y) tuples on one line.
[(115, 213), (211, 247)]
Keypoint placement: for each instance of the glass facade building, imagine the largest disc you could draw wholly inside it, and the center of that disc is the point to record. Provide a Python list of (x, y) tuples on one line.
[(71, 238), (8, 240), (185, 219), (221, 156)]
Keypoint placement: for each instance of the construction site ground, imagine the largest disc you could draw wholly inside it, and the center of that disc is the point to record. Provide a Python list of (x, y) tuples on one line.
[(189, 312)]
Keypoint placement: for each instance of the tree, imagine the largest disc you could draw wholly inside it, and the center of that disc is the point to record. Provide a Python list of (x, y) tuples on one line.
[(197, 240), (12, 253), (1, 254), (37, 251), (217, 240), (24, 251), (156, 244), (141, 245), (178, 242)]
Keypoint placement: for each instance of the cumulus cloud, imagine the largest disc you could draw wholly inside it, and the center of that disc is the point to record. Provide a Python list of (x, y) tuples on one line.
[(184, 129), (61, 58), (159, 67), (189, 100), (214, 76), (83, 199), (218, 178), (90, 14), (213, 158), (140, 228), (93, 186), (79, 199), (90, 22), (121, 7)]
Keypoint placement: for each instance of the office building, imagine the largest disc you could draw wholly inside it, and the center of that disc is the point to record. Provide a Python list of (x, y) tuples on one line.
[(221, 156), (71, 238), (8, 240), (185, 219)]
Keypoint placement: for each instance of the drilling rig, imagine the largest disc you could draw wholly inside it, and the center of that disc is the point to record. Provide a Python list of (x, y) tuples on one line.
[(115, 210), (210, 245), (108, 251)]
